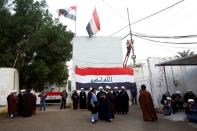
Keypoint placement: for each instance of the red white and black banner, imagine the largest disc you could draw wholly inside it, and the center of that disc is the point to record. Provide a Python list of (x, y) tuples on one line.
[(95, 77)]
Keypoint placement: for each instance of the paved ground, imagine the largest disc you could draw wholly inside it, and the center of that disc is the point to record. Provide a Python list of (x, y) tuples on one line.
[(69, 120)]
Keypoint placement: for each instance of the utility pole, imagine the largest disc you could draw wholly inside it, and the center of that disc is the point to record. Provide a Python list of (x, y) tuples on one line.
[(133, 57)]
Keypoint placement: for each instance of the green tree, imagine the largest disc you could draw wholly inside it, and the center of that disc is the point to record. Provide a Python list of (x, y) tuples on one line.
[(184, 53), (34, 43)]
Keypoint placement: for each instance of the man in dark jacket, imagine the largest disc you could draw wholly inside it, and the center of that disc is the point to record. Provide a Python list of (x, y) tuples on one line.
[(63, 99)]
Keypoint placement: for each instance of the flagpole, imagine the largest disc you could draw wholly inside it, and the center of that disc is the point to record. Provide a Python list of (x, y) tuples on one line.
[(76, 22)]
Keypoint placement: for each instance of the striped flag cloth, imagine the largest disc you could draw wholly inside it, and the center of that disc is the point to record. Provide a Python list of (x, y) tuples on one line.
[(95, 77), (94, 25), (68, 12)]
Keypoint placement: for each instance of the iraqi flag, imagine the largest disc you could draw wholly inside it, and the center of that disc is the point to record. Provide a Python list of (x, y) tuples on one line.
[(94, 25), (68, 12), (95, 77)]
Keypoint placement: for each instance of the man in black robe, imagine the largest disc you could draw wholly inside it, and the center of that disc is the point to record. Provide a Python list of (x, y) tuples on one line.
[(102, 108), (124, 101), (28, 104), (34, 101), (110, 105), (75, 99), (20, 102), (89, 98), (82, 99), (116, 99)]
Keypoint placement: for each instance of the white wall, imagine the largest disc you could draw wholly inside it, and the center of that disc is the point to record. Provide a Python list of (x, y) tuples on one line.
[(141, 75), (9, 80), (98, 51)]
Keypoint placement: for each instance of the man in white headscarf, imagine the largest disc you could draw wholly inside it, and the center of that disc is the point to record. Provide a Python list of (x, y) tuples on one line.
[(124, 101)]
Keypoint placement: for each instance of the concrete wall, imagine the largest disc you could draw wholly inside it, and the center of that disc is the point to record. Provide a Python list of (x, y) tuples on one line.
[(9, 81), (141, 75), (99, 51)]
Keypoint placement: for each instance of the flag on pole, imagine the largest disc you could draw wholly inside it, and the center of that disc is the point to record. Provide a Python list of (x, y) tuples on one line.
[(94, 25), (68, 12)]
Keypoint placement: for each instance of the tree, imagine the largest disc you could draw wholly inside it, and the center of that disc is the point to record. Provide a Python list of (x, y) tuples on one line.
[(185, 53), (34, 43)]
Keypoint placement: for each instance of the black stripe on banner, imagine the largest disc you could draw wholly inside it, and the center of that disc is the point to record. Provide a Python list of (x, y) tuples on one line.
[(89, 30), (86, 86)]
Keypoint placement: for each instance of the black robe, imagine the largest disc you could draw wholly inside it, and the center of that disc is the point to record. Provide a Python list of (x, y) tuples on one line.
[(116, 100), (103, 106), (124, 102), (110, 106), (20, 104), (82, 98), (75, 99), (89, 99), (28, 104)]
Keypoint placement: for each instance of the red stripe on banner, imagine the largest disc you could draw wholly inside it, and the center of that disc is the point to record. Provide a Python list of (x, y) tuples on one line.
[(96, 19), (53, 93), (103, 71)]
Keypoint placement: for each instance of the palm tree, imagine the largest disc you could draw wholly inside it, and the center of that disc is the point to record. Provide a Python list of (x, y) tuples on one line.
[(185, 53)]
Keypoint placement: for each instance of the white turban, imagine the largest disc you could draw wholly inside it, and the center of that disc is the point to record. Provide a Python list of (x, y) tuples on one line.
[(108, 87), (178, 92), (168, 98), (100, 88), (115, 87), (191, 100), (122, 87)]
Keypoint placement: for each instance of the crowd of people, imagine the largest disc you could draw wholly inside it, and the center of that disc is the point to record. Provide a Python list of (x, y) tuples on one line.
[(176, 102), (21, 104), (106, 102), (103, 104)]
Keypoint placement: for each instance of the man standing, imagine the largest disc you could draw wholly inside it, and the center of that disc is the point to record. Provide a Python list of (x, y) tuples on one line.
[(146, 104), (116, 100), (12, 103), (89, 98), (34, 101), (102, 111), (63, 99), (75, 99), (42, 96), (134, 95), (110, 106), (82, 99), (124, 101), (28, 104), (94, 106), (20, 102)]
